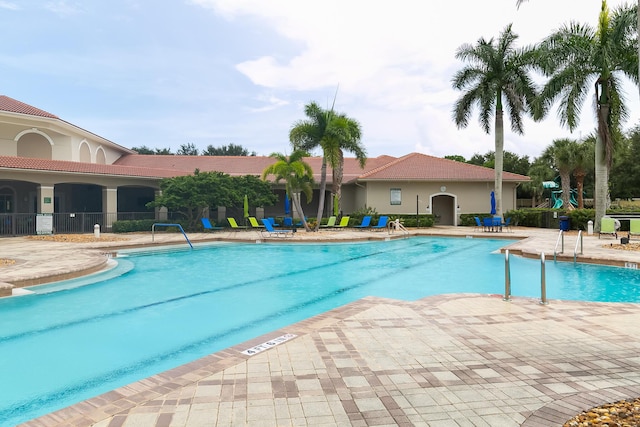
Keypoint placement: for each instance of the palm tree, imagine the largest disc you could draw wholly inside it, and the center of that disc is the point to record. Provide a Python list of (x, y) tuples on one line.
[(561, 155), (331, 132), (582, 153), (354, 146), (497, 73), (577, 56), (297, 176)]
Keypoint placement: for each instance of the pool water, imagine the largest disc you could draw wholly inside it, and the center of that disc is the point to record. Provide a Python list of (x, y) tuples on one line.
[(68, 343)]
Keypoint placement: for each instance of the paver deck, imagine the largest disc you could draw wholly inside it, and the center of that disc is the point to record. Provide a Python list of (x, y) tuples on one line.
[(447, 360)]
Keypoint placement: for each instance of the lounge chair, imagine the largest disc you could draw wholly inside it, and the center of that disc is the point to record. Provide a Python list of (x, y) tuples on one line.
[(382, 223), (608, 226), (272, 232), (287, 221), (331, 222), (634, 228), (208, 226), (344, 223), (234, 225), (254, 222), (366, 222), (272, 220)]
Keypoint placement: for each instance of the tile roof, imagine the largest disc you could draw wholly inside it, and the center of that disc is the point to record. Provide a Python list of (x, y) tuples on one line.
[(26, 163), (421, 167), (13, 106)]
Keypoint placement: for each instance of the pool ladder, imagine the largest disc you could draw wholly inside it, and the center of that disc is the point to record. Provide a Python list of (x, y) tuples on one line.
[(575, 249), (507, 279)]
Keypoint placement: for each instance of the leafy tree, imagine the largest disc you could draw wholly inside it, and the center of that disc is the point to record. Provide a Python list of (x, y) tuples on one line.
[(456, 158), (227, 150), (188, 150), (582, 155), (331, 132), (541, 170), (575, 57), (625, 173), (143, 149), (188, 195), (496, 73), (297, 175)]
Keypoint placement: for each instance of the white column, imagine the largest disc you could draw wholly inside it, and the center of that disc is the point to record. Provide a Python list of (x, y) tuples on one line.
[(45, 199)]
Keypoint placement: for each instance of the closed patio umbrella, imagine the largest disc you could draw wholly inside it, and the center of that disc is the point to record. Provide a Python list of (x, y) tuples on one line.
[(493, 203)]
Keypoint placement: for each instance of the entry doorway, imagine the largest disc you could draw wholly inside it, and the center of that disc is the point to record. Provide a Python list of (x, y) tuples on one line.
[(444, 209)]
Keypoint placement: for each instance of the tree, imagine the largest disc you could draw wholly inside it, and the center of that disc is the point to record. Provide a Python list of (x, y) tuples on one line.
[(582, 154), (188, 150), (456, 158), (497, 74), (331, 132), (189, 195), (297, 176), (143, 149), (560, 154), (227, 150), (577, 56)]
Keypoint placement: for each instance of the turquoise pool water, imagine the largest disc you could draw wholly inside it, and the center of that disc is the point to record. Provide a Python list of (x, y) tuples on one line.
[(68, 342)]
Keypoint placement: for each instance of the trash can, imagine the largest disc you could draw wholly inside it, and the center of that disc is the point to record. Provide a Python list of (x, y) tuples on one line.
[(564, 223)]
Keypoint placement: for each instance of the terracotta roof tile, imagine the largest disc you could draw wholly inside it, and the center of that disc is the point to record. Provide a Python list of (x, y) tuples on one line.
[(13, 106), (26, 163), (421, 167)]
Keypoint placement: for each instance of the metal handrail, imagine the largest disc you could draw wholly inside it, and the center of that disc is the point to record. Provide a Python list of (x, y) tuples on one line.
[(507, 277), (153, 228), (543, 281), (575, 250), (555, 250)]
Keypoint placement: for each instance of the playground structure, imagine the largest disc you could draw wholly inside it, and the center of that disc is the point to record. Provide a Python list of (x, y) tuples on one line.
[(556, 195)]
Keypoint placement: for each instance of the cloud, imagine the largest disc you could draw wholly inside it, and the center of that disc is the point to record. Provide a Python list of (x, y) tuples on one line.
[(63, 8), (9, 5)]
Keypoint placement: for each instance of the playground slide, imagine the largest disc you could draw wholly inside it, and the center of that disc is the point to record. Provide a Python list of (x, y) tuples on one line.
[(557, 204)]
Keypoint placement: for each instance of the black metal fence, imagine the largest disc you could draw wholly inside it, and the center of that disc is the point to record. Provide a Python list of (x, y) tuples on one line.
[(21, 224)]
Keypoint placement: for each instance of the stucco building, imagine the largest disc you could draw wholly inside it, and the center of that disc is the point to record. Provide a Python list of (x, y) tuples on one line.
[(50, 166)]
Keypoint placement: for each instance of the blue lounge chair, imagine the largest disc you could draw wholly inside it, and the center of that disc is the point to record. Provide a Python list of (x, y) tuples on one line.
[(366, 222), (478, 224), (382, 223), (272, 232), (208, 226)]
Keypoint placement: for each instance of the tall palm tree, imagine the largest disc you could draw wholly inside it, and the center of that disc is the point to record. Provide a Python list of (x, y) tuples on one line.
[(331, 132), (297, 176), (354, 146), (577, 56), (497, 75)]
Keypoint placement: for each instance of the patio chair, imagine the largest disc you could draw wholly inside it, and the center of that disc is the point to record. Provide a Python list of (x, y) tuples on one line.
[(382, 223), (331, 222), (487, 224), (273, 222), (234, 225), (344, 223), (254, 222), (269, 231), (608, 226), (287, 221), (366, 222), (634, 228), (506, 224), (208, 226), (478, 226)]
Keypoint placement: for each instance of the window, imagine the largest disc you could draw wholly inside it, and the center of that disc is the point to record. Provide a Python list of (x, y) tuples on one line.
[(396, 196)]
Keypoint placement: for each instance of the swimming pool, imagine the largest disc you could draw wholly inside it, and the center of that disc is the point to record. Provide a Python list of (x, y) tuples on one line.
[(61, 347)]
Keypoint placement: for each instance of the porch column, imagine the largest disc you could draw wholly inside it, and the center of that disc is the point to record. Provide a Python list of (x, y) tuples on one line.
[(109, 205), (45, 199)]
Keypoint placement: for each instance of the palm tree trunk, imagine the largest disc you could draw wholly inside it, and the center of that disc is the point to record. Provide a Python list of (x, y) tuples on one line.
[(499, 160), (601, 193), (579, 174), (295, 198), (565, 185), (338, 173), (323, 189)]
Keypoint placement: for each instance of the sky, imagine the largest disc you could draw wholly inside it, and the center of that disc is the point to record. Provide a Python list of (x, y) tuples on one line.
[(219, 72)]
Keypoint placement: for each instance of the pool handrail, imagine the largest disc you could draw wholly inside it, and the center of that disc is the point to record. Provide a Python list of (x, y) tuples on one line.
[(575, 249), (162, 224), (555, 250)]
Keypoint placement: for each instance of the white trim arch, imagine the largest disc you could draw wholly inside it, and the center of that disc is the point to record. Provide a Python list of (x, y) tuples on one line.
[(33, 130), (454, 207), (84, 143), (101, 156)]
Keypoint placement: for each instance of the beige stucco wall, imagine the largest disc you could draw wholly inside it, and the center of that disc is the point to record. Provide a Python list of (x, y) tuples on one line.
[(417, 197)]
